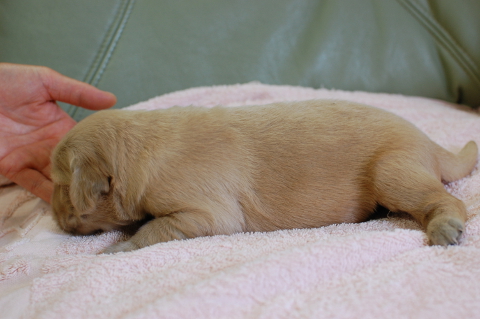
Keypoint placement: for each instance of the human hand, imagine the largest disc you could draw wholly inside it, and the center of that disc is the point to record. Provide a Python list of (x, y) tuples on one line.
[(31, 122)]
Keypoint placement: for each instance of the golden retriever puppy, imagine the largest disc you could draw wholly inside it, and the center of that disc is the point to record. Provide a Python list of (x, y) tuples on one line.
[(202, 172)]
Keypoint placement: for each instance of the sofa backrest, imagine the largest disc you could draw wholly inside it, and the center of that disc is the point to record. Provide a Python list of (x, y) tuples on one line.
[(144, 48)]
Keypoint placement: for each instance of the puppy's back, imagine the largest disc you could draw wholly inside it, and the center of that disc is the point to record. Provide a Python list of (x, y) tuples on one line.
[(316, 157)]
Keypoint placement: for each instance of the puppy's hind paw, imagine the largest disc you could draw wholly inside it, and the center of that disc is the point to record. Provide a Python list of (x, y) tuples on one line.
[(445, 230), (123, 246)]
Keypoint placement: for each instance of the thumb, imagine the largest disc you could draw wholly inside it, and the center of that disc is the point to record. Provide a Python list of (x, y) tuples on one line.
[(65, 89)]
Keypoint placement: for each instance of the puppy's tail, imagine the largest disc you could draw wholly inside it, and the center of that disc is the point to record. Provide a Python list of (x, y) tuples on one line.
[(454, 167)]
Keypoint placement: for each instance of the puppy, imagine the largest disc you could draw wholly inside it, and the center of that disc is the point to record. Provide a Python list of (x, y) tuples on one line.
[(203, 172)]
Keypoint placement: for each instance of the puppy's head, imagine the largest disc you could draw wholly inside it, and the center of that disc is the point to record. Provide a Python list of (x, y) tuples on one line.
[(89, 194)]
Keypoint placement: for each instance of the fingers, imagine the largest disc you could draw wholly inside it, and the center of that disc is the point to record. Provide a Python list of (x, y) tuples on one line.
[(29, 167), (35, 182), (68, 90)]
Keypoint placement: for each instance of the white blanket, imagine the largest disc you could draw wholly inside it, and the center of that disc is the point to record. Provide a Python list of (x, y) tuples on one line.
[(378, 269)]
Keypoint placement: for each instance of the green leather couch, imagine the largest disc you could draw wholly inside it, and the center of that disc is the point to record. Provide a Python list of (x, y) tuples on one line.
[(144, 48)]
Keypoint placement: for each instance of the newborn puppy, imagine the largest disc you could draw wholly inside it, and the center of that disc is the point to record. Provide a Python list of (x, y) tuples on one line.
[(202, 172)]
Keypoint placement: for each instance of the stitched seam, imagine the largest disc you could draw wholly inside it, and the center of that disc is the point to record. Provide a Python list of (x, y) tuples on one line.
[(108, 45), (443, 38), (113, 41)]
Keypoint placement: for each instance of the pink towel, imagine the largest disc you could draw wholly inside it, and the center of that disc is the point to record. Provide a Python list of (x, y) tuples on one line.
[(377, 269)]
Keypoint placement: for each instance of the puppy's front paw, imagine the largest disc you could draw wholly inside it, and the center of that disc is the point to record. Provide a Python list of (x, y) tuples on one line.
[(123, 246), (445, 230)]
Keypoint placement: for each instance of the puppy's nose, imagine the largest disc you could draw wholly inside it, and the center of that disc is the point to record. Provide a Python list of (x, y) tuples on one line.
[(68, 228)]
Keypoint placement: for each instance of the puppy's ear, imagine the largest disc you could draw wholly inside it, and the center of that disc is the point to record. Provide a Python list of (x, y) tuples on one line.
[(88, 184)]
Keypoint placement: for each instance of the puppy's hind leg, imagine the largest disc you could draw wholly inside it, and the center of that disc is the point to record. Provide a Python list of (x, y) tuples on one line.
[(402, 184)]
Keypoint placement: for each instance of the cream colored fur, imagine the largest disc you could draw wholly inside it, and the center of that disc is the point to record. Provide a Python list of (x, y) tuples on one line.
[(202, 172)]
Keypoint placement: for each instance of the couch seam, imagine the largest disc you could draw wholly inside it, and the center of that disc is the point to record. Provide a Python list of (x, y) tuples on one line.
[(109, 43), (443, 39)]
